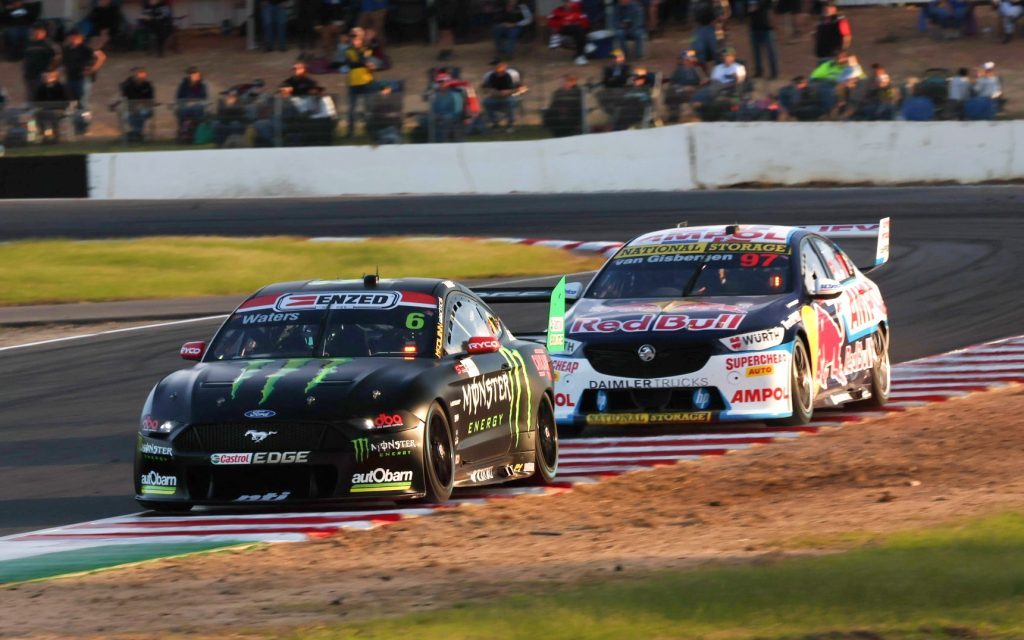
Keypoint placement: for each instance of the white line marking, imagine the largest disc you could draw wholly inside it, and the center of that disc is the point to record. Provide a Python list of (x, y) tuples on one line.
[(111, 331)]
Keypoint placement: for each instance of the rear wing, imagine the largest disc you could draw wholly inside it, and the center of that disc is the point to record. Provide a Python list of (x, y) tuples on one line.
[(555, 296), (841, 231)]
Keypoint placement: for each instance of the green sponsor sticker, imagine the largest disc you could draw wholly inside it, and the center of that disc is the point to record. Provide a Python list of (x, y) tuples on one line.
[(556, 319)]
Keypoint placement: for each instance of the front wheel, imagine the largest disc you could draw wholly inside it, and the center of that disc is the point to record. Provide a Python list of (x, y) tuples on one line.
[(801, 388), (881, 380), (438, 457), (545, 444)]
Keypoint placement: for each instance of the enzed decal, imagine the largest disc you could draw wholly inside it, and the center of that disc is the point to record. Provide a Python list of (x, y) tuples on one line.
[(326, 369), (249, 371), (156, 484), (338, 300), (648, 418), (290, 366), (381, 479)]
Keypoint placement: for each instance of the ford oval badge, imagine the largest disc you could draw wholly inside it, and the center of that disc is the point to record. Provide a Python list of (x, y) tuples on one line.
[(260, 413)]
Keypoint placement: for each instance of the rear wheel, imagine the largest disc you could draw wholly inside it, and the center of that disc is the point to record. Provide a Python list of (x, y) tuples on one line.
[(438, 457), (881, 380), (545, 444), (801, 387), (172, 507)]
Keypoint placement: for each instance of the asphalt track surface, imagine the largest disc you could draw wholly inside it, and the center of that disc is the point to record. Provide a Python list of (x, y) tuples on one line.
[(68, 410)]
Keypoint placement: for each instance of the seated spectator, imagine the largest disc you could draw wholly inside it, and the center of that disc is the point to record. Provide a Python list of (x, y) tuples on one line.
[(281, 119), (633, 108), (158, 20), (384, 117), (502, 88), (51, 101), (1010, 11), (617, 74), (380, 59), (683, 83), (805, 101), (300, 82), (568, 21), (447, 108), (880, 101), (946, 14), (231, 121), (709, 15), (829, 70), (17, 17), (959, 92), (729, 73), (980, 108), (988, 84), (564, 115), (106, 21), (628, 24), (509, 22), (138, 95), (191, 96), (918, 107)]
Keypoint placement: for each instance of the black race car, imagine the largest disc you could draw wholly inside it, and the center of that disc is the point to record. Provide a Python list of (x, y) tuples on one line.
[(335, 390)]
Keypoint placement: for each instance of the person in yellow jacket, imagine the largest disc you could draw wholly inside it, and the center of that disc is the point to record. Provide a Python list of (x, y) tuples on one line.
[(360, 75)]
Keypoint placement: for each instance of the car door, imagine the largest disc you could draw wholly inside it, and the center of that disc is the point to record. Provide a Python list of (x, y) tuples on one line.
[(485, 396), (833, 315)]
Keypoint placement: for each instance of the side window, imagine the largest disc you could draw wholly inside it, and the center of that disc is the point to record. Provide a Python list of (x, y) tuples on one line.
[(834, 259), (811, 266), (465, 320)]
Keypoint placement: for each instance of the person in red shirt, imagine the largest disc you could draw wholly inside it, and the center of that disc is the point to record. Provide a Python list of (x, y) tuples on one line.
[(568, 21), (833, 33)]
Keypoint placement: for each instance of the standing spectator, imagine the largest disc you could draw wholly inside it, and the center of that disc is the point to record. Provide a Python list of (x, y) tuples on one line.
[(1010, 11), (137, 92), (564, 116), (833, 33), (360, 75), (374, 17), (299, 81), (790, 10), (502, 88), (762, 36), (158, 20), (446, 18), (959, 92), (191, 97), (446, 111), (568, 21), (51, 103), (729, 73), (107, 21), (40, 55), (275, 25), (508, 22), (709, 15), (682, 84), (988, 84), (628, 24), (617, 74), (306, 13), (81, 63)]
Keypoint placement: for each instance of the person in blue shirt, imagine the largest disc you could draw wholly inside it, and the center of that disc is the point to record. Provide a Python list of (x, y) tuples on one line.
[(628, 24)]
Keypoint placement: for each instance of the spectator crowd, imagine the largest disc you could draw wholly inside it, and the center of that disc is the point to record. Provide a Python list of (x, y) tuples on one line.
[(709, 81)]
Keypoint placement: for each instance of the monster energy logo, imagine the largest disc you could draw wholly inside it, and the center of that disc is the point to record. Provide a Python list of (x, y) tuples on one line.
[(248, 372), (518, 368), (326, 369), (363, 448), (289, 367)]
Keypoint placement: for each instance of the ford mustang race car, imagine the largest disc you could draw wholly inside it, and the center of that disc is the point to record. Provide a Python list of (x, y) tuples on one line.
[(722, 323), (332, 390)]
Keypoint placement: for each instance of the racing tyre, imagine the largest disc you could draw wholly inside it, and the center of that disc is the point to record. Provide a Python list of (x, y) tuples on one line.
[(172, 507), (801, 388), (545, 444), (438, 457), (881, 379)]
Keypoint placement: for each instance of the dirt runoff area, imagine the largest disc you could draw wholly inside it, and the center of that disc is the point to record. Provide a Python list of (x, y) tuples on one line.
[(922, 467)]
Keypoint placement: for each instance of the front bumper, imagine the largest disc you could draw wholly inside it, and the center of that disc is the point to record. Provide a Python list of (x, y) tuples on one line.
[(748, 385), (216, 465)]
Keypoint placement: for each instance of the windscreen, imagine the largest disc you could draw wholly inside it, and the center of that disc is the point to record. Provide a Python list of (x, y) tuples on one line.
[(333, 325), (695, 269)]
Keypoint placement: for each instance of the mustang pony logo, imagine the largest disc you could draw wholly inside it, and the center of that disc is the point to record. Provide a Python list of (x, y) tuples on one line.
[(258, 436)]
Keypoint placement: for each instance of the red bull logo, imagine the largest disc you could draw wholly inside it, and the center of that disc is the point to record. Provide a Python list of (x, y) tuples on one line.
[(831, 338)]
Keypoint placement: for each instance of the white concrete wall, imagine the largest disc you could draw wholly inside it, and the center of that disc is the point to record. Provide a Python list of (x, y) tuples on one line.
[(679, 158), (651, 160)]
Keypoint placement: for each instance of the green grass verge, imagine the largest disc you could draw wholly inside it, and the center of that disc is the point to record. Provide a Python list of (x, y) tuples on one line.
[(33, 272), (960, 581)]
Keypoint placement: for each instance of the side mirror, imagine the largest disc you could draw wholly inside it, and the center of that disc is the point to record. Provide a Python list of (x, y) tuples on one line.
[(573, 290), (826, 289), (193, 350), (482, 344)]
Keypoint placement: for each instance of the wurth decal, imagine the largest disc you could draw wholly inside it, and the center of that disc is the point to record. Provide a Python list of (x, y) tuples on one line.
[(663, 322)]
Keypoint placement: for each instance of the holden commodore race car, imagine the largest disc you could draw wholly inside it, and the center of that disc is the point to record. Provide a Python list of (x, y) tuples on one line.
[(332, 390), (723, 323)]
